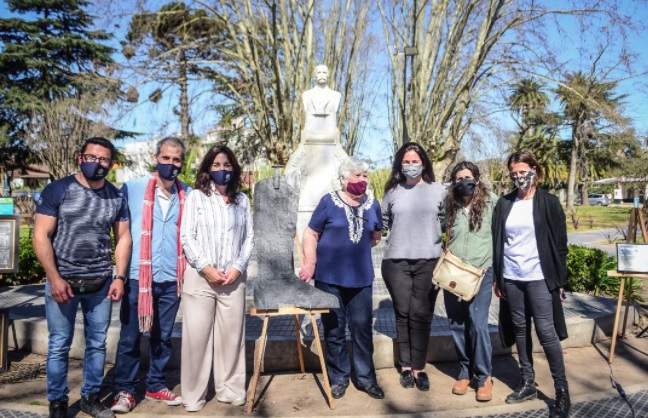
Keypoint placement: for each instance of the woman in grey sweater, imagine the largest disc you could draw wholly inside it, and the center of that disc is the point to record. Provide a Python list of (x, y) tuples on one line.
[(410, 210)]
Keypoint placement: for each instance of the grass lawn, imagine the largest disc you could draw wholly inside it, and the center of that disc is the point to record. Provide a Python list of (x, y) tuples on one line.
[(599, 217)]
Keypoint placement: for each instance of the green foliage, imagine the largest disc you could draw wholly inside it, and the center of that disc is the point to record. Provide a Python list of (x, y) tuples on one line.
[(378, 179), (29, 268), (587, 272), (53, 52)]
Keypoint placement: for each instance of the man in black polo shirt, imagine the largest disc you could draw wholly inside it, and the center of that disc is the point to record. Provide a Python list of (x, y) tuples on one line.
[(74, 217)]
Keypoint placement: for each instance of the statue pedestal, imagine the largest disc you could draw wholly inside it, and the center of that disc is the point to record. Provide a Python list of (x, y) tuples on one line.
[(317, 158)]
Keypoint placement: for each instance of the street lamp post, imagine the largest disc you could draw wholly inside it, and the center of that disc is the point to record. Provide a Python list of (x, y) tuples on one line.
[(67, 131), (410, 51)]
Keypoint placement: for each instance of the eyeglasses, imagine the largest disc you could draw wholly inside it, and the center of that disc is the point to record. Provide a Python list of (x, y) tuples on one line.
[(91, 158)]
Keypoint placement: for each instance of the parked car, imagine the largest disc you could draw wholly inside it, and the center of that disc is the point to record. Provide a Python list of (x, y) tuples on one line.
[(594, 199)]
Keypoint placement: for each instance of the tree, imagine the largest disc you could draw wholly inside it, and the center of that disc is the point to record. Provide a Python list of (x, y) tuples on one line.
[(528, 101), (165, 46), (51, 54), (270, 49), (590, 106), (538, 129), (57, 131), (468, 49), (42, 56)]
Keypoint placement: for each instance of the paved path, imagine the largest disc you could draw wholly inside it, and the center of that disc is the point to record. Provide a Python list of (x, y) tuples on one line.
[(602, 404), (596, 239)]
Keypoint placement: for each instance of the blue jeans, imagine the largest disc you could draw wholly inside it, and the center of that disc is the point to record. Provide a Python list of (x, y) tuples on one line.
[(355, 308), (469, 329), (165, 307), (96, 308), (527, 300)]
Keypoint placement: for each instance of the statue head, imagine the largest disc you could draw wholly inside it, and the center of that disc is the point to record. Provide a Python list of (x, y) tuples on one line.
[(321, 74)]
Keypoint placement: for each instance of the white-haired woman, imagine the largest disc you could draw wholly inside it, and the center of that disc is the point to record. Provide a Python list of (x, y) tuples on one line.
[(337, 247)]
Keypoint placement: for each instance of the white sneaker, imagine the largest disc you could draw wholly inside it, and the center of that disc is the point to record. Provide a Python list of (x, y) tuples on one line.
[(124, 402), (238, 402)]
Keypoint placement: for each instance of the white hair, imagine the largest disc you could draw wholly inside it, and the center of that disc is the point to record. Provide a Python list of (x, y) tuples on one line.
[(350, 165)]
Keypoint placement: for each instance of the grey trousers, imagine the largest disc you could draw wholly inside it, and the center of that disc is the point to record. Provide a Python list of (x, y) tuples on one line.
[(527, 300)]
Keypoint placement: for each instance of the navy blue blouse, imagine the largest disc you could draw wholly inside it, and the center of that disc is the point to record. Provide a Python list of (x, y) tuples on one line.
[(344, 247)]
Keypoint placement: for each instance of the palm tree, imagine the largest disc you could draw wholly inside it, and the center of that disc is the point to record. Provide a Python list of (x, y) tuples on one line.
[(538, 128), (587, 103), (528, 101)]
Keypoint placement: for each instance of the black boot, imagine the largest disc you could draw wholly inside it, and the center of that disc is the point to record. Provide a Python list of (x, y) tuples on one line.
[(58, 409), (562, 405), (92, 406), (525, 391)]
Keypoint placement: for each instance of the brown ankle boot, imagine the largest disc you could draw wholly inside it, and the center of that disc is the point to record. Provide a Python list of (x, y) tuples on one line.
[(461, 387), (485, 393)]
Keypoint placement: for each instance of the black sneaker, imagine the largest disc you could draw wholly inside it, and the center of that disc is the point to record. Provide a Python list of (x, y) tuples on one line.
[(407, 379), (92, 406), (58, 409)]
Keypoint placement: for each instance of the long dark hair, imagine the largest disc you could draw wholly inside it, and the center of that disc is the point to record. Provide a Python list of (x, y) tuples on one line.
[(397, 176), (454, 201), (204, 180), (527, 158)]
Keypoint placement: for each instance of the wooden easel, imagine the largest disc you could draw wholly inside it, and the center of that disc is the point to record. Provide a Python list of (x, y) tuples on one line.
[(295, 312), (266, 314), (636, 217)]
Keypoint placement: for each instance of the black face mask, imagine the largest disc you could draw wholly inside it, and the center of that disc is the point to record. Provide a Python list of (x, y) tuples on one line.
[(466, 187)]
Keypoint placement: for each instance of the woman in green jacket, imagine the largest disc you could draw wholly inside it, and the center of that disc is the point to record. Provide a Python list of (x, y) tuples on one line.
[(469, 208)]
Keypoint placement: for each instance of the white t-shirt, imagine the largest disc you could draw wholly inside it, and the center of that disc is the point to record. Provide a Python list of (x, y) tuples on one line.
[(164, 202), (521, 258)]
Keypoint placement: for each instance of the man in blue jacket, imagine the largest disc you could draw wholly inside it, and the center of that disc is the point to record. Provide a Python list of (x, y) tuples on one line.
[(156, 271)]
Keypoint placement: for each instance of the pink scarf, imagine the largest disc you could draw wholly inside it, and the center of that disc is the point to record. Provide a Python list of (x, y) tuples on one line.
[(145, 298)]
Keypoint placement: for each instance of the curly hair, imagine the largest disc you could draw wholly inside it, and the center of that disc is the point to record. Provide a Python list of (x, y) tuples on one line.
[(454, 201), (396, 177), (204, 180)]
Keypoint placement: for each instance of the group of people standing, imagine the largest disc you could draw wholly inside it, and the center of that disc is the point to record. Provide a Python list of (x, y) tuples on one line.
[(520, 239), (173, 242)]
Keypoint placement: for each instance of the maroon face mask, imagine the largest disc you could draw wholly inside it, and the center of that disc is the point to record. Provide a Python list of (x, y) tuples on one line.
[(358, 188)]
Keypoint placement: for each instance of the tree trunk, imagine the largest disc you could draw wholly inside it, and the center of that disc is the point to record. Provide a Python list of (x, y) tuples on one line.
[(573, 167), (184, 97)]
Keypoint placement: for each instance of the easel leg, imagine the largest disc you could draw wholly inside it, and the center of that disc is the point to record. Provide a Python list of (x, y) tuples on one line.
[(257, 364), (299, 345), (615, 328), (627, 308), (327, 385)]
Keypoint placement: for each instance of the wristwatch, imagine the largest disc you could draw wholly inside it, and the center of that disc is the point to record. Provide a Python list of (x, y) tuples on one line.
[(120, 277)]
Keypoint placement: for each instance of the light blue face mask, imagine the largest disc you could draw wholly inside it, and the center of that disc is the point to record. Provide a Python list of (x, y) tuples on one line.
[(412, 171)]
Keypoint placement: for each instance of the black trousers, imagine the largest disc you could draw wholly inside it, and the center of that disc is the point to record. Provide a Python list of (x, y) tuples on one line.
[(532, 299), (410, 285)]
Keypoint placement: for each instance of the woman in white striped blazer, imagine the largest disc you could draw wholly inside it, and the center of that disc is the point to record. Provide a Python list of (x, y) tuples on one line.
[(216, 235)]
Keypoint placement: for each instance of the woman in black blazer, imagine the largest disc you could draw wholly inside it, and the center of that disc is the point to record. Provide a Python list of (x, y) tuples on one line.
[(529, 266)]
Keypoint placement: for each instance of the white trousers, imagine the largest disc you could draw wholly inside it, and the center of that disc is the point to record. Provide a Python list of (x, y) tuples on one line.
[(213, 338)]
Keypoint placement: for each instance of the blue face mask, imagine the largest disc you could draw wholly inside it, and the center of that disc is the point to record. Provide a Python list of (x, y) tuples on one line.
[(222, 177), (94, 171), (168, 171)]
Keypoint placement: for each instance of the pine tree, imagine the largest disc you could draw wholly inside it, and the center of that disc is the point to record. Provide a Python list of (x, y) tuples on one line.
[(52, 53)]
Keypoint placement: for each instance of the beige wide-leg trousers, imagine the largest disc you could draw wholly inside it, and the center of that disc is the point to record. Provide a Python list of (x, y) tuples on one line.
[(213, 338)]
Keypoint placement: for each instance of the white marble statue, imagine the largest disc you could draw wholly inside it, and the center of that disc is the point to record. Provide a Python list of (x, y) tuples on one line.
[(321, 104), (319, 152)]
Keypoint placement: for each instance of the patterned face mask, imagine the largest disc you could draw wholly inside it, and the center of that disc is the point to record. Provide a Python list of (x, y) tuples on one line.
[(524, 182)]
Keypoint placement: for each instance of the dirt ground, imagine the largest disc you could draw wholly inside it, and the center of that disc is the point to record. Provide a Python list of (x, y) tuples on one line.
[(297, 394)]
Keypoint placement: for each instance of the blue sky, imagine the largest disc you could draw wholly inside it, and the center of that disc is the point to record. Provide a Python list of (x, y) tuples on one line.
[(571, 47)]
